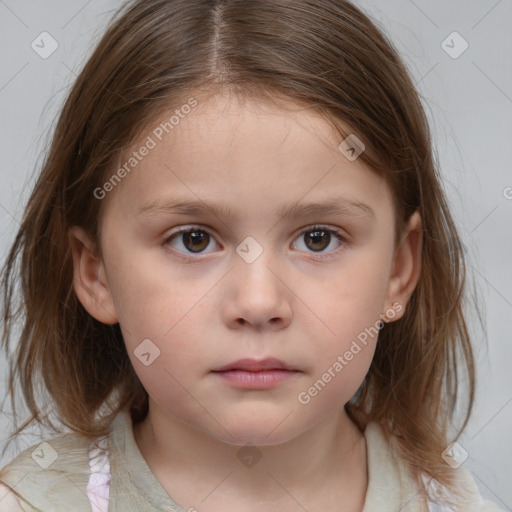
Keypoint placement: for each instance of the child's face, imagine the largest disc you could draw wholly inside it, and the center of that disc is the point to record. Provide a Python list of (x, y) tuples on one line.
[(305, 300)]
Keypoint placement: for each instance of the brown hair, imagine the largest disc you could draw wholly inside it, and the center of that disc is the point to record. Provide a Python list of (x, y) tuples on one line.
[(324, 54)]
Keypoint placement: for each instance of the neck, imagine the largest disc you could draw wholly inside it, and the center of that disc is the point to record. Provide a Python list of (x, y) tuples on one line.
[(182, 457)]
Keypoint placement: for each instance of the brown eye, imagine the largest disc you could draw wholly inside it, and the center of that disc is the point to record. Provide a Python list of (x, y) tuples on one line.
[(317, 240), (189, 241), (196, 241)]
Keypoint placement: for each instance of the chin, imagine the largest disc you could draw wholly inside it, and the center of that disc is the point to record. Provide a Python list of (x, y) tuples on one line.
[(255, 432)]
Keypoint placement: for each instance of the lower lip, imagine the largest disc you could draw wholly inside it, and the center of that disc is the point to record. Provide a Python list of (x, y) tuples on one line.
[(256, 380)]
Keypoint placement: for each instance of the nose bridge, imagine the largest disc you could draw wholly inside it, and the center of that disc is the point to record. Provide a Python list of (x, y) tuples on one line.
[(257, 263), (258, 291)]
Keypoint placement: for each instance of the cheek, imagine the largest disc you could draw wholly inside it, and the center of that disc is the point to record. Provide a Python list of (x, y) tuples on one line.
[(349, 306), (170, 383), (162, 316), (354, 297), (337, 382), (343, 355), (150, 295), (167, 354)]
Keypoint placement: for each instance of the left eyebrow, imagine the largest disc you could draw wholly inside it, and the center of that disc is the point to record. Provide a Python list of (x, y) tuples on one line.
[(331, 206)]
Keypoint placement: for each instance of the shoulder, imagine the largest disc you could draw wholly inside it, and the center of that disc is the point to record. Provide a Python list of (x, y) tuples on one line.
[(387, 470), (48, 476), (470, 499)]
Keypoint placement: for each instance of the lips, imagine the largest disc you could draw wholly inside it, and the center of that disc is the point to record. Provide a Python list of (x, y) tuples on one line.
[(254, 374), (255, 365)]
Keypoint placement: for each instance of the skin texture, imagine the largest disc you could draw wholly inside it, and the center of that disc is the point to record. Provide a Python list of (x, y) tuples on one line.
[(303, 303)]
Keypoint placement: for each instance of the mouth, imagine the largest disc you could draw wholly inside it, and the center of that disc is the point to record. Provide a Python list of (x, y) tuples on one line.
[(256, 374), (255, 365)]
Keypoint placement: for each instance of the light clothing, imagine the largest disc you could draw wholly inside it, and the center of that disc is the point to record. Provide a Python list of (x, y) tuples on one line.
[(111, 475)]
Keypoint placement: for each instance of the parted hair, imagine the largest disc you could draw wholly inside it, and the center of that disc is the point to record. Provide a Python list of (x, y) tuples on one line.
[(326, 55)]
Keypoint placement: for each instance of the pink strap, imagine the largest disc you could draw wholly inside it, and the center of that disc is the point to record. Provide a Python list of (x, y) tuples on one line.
[(98, 488)]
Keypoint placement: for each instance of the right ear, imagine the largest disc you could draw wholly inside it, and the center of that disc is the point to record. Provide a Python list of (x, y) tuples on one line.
[(89, 277)]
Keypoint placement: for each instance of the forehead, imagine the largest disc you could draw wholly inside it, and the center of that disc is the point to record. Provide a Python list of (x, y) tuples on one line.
[(248, 151), (226, 126)]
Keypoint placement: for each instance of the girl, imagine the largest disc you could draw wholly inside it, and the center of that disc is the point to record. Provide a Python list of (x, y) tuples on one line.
[(241, 285)]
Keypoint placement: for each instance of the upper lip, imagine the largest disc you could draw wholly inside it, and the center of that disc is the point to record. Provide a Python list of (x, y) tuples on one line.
[(255, 365)]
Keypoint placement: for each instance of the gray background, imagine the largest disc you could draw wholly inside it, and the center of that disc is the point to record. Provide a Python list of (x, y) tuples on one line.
[(468, 100)]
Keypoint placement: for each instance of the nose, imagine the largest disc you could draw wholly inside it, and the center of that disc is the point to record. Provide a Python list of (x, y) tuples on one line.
[(258, 295)]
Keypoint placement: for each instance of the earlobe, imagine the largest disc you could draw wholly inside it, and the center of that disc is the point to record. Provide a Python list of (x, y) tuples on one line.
[(89, 277), (406, 269)]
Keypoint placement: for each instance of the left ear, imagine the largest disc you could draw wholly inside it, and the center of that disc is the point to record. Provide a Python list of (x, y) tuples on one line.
[(406, 267)]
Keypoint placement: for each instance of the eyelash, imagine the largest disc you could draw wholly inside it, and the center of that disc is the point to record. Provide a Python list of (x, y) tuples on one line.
[(314, 256)]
